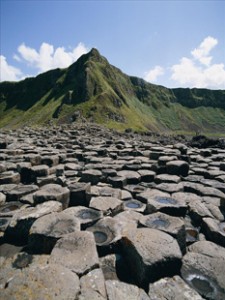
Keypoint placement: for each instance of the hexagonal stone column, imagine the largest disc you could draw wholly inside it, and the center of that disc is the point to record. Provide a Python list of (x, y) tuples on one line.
[(38, 282), (22, 220), (151, 254), (171, 225), (52, 192), (203, 269), (77, 252), (47, 230), (172, 288), (178, 167)]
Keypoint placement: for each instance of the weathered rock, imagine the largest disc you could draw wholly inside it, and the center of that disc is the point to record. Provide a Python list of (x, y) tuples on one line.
[(108, 205), (148, 194), (132, 177), (24, 169), (208, 248), (21, 222), (134, 205), (53, 192), (106, 233), (4, 222), (69, 252), (135, 189), (2, 199), (109, 266), (90, 294), (121, 290), (202, 190), (159, 201), (49, 282), (9, 177), (214, 209), (117, 181), (92, 162), (104, 190), (171, 225), (15, 262), (50, 160), (178, 167), (170, 187), (86, 216), (10, 208), (93, 281), (163, 160), (92, 176), (205, 274), (146, 175), (34, 159), (2, 167), (166, 178), (78, 193), (125, 195), (172, 289), (21, 190), (151, 254), (214, 230), (50, 179), (47, 230), (40, 171)]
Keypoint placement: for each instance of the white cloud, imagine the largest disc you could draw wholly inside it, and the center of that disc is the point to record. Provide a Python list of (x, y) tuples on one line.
[(153, 74), (44, 59), (7, 72), (48, 58), (201, 53), (198, 70)]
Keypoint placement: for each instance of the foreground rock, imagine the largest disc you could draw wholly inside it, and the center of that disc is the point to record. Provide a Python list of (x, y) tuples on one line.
[(171, 225), (120, 290), (21, 222), (42, 283), (69, 252), (53, 192), (135, 216), (203, 269), (172, 289), (47, 230), (151, 254)]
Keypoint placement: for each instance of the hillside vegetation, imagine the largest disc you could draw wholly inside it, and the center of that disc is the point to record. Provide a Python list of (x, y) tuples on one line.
[(93, 89)]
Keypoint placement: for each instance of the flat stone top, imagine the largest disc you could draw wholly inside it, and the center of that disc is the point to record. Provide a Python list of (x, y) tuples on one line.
[(154, 245), (180, 191)]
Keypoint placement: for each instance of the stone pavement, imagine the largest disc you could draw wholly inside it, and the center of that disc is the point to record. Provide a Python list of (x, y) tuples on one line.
[(89, 213)]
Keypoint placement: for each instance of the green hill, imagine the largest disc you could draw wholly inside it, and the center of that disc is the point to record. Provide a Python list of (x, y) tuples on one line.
[(93, 89)]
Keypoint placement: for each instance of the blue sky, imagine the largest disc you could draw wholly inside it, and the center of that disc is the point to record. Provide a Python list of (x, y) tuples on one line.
[(171, 43)]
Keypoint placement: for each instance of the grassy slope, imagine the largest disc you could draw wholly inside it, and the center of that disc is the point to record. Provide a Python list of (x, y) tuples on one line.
[(103, 94)]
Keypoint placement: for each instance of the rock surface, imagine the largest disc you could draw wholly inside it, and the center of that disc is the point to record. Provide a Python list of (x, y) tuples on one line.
[(113, 215)]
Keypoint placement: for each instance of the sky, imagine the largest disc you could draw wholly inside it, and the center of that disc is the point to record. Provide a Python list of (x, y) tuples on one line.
[(170, 43)]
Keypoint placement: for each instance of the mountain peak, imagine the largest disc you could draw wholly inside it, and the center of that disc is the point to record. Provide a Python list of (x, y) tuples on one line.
[(95, 55), (94, 52)]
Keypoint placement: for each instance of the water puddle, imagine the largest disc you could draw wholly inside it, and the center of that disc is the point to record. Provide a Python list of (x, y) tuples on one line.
[(22, 261), (191, 235), (3, 222), (165, 200), (133, 205), (9, 208), (86, 215), (222, 227), (202, 285), (160, 223), (100, 237)]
